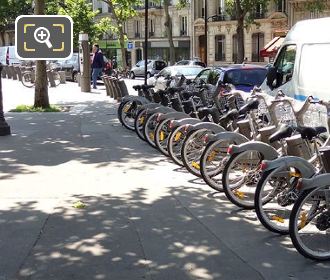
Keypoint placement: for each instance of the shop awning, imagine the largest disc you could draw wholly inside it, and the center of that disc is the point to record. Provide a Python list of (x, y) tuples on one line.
[(272, 47)]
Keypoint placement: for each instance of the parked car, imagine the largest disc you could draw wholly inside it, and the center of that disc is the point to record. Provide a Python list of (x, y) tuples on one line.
[(70, 66), (8, 55), (153, 67), (191, 62), (159, 80)]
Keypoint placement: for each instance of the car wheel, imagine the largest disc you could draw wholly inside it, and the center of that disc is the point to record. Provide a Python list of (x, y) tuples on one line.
[(74, 77), (148, 75), (132, 75)]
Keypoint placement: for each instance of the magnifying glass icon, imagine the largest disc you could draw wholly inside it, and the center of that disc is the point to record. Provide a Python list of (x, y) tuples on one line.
[(41, 35)]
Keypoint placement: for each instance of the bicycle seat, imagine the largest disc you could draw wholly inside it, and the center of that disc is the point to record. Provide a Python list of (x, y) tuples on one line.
[(207, 110), (146, 87), (230, 115), (251, 105), (283, 132), (309, 133), (137, 87)]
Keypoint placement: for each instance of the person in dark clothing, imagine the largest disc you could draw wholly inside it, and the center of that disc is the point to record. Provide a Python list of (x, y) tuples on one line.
[(97, 64)]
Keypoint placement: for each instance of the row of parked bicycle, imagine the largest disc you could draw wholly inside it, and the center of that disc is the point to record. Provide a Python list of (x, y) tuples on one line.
[(26, 74), (266, 153)]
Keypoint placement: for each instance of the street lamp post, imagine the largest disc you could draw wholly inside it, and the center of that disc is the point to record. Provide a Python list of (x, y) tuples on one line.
[(4, 127), (146, 40), (205, 30)]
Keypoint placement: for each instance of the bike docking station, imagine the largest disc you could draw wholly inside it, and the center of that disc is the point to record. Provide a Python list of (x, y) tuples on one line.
[(85, 67)]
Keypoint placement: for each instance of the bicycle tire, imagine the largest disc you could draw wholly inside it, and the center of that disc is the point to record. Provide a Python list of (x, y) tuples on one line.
[(149, 132), (238, 193), (124, 113), (296, 227), (174, 144), (27, 79), (192, 164), (268, 210), (162, 133), (210, 157), (138, 123)]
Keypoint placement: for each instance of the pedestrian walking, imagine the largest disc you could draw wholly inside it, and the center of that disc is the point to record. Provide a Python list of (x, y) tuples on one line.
[(97, 64)]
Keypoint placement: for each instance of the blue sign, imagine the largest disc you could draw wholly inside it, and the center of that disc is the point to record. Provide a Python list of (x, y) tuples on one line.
[(130, 46)]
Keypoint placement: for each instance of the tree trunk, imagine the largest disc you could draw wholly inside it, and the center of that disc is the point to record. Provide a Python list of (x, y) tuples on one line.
[(122, 47), (169, 29), (2, 36), (41, 84), (240, 32)]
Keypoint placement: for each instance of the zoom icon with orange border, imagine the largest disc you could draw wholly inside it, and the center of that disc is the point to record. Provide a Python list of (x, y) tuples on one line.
[(43, 37)]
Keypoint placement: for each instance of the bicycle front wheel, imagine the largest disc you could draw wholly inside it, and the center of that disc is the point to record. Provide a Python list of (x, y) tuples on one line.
[(309, 225), (28, 79)]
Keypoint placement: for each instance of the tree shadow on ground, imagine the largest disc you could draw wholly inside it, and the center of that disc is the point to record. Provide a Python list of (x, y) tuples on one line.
[(90, 134), (183, 235)]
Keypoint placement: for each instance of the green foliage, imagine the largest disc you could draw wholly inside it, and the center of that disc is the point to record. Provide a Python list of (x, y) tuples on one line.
[(182, 4), (315, 6), (82, 15), (10, 9), (32, 109), (245, 8)]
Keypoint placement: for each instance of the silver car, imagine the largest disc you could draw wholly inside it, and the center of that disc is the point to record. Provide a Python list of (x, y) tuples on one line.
[(153, 67)]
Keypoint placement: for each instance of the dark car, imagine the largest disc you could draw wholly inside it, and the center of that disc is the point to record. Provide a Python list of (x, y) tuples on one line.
[(191, 62), (70, 66), (242, 76)]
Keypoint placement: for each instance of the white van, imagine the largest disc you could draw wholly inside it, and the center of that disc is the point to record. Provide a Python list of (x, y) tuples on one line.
[(301, 67), (8, 55)]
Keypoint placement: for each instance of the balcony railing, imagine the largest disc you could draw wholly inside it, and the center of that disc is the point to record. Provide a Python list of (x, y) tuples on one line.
[(218, 18), (183, 33)]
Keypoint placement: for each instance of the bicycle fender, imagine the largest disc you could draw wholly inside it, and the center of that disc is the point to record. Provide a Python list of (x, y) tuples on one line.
[(149, 105), (142, 99), (230, 136), (266, 150), (160, 109), (215, 128), (181, 122), (315, 182), (305, 168), (172, 115)]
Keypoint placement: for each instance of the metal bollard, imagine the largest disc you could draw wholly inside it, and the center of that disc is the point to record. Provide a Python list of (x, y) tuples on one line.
[(4, 127), (18, 72), (13, 72), (123, 89), (51, 79), (62, 77)]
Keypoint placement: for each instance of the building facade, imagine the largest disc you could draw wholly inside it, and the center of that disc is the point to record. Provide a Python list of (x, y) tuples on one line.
[(305, 9), (221, 31), (158, 45)]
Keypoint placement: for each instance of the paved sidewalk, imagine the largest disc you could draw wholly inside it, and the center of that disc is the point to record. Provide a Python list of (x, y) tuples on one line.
[(145, 218)]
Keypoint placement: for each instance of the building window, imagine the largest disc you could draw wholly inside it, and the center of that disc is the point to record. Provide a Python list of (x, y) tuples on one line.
[(220, 46), (151, 27), (259, 12), (235, 48), (281, 6), (258, 43), (183, 26), (203, 8), (137, 28), (221, 7)]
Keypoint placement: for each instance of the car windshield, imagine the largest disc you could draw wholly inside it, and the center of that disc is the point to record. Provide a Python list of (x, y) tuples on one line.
[(183, 62), (248, 77), (187, 71)]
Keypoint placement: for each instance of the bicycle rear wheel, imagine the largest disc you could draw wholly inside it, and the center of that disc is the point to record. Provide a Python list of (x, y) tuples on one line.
[(309, 225)]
